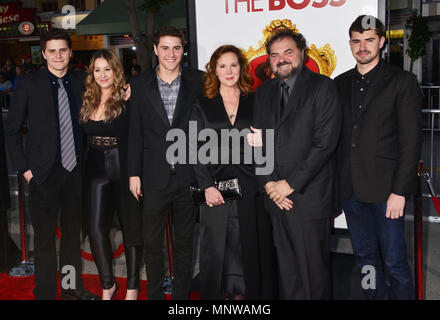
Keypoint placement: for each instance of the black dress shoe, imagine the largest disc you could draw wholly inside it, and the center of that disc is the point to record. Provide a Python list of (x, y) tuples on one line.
[(78, 294)]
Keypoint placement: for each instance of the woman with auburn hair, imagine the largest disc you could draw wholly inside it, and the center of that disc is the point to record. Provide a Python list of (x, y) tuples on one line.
[(104, 117), (236, 251)]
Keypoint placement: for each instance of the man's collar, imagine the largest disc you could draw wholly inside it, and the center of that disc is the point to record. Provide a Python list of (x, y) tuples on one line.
[(370, 74), (53, 77), (291, 80), (179, 76)]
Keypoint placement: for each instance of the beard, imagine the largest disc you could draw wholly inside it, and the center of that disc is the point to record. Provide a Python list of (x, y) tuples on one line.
[(287, 74), (367, 59)]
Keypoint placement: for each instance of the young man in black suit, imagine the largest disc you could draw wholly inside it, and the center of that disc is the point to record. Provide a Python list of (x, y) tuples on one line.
[(303, 109), (161, 100), (48, 100), (378, 155)]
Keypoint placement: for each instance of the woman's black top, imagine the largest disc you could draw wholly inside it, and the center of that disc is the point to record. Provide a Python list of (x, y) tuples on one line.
[(98, 128), (211, 113)]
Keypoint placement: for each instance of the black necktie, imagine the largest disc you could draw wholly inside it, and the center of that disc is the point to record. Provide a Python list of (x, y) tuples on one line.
[(284, 96)]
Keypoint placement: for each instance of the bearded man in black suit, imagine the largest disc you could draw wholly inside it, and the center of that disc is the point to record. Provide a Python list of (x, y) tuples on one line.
[(303, 109)]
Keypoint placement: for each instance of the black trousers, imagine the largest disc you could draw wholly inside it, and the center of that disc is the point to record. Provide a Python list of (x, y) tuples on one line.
[(9, 253), (106, 192), (59, 195), (303, 251), (221, 253), (157, 204)]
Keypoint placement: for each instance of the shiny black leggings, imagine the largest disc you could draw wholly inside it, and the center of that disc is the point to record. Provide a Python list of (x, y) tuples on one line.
[(105, 194)]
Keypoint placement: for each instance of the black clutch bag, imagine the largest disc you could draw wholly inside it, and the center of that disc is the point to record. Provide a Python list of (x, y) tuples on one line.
[(229, 188)]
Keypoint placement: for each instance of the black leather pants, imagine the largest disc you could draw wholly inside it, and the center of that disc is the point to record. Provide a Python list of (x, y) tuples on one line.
[(104, 195)]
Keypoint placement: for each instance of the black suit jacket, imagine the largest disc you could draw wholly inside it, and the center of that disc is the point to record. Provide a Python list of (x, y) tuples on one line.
[(5, 201), (306, 137), (211, 113), (381, 148), (33, 102), (149, 125)]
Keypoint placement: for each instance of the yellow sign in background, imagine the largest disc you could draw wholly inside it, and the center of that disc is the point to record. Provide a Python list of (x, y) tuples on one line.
[(87, 43)]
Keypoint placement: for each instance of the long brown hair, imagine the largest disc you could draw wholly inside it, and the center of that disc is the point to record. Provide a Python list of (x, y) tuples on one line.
[(212, 84), (92, 95)]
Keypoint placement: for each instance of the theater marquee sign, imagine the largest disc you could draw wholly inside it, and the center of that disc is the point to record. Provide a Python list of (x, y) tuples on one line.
[(11, 13)]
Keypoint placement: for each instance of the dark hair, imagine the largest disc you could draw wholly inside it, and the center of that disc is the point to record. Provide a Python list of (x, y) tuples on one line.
[(299, 39), (55, 35), (365, 23), (137, 68), (170, 32), (211, 86)]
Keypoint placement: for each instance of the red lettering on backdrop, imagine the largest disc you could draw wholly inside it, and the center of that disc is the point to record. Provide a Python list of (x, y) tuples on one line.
[(298, 6), (276, 4), (253, 6), (321, 4), (337, 3), (236, 5), (281, 4)]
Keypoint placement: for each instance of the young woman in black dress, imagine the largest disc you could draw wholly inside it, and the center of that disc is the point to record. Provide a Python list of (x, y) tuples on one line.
[(104, 117), (236, 251)]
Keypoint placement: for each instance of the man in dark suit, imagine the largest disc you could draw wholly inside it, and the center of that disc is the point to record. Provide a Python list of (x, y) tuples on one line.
[(9, 253), (48, 100), (303, 109), (377, 159), (161, 100)]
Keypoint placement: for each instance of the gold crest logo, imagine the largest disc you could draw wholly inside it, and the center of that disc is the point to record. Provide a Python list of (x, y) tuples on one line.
[(321, 60)]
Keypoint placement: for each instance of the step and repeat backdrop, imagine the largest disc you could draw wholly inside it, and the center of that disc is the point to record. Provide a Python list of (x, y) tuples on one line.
[(247, 24)]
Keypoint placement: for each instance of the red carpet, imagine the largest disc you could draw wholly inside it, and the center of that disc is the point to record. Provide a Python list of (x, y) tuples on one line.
[(20, 288)]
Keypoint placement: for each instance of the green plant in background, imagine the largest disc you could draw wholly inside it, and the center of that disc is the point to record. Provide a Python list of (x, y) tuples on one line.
[(144, 42), (418, 36)]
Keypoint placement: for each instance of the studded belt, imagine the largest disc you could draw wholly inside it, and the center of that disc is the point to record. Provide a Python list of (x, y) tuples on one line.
[(105, 141)]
